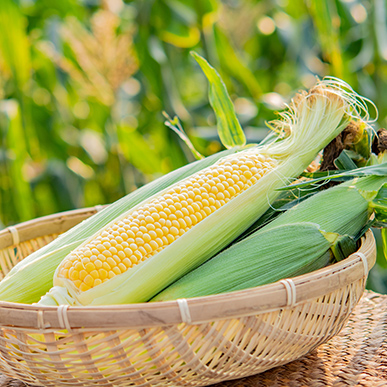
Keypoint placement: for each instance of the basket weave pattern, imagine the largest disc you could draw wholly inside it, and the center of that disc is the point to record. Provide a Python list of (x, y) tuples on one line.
[(12, 255), (230, 336)]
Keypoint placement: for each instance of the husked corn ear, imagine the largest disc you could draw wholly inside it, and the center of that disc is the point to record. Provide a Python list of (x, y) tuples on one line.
[(32, 277), (159, 222)]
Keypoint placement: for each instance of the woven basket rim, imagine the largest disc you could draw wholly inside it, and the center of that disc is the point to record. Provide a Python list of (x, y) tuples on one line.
[(51, 224), (261, 299)]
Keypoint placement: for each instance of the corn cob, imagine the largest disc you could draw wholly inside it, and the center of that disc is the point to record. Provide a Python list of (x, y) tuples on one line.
[(22, 284), (140, 265), (294, 243)]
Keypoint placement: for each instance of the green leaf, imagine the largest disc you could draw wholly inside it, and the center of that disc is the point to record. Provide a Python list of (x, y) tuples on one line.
[(231, 60), (175, 125), (344, 246), (317, 177), (379, 205), (229, 129), (384, 241), (16, 144), (344, 161), (381, 27), (137, 150), (14, 46), (325, 14)]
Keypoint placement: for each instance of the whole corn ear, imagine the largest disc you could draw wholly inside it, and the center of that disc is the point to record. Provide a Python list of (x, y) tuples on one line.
[(279, 253), (171, 233), (31, 278), (294, 243)]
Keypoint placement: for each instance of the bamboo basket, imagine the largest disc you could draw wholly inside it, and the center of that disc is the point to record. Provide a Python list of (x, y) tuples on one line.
[(194, 342)]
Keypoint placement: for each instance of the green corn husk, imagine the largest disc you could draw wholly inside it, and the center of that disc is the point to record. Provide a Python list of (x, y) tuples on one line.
[(314, 119), (287, 246), (246, 264), (31, 278)]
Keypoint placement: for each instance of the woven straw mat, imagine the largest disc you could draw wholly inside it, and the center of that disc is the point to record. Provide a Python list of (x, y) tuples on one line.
[(355, 357)]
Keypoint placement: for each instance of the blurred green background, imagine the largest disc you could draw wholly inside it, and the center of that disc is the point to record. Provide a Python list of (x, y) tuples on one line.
[(83, 84)]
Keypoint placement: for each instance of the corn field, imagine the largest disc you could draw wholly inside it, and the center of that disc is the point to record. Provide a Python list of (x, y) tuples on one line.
[(84, 84)]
